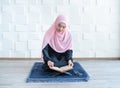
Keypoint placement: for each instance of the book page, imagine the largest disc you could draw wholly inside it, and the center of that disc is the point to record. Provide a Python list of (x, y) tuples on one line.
[(62, 69)]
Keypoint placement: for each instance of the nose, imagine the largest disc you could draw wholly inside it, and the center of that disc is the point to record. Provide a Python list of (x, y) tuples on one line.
[(61, 29)]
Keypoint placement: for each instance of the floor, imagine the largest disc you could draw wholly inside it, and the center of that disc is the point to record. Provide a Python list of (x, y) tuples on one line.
[(103, 74)]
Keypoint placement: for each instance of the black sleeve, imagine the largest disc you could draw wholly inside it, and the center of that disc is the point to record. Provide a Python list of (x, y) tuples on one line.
[(69, 55), (46, 55)]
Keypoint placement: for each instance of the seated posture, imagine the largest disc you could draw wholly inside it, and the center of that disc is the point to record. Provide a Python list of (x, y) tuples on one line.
[(57, 46)]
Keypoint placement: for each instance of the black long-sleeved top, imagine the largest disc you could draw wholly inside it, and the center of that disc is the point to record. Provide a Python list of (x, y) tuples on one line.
[(59, 59)]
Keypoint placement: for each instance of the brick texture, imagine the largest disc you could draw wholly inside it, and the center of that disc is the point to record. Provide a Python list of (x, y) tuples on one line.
[(94, 24)]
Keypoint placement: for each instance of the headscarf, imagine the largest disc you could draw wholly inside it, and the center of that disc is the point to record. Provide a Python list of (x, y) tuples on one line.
[(58, 41)]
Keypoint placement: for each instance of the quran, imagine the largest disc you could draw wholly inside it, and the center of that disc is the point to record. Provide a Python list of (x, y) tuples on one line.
[(62, 69)]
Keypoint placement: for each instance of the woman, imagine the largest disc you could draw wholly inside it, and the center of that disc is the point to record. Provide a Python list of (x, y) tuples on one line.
[(57, 45)]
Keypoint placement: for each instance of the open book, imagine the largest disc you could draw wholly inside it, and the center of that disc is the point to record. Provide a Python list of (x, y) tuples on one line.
[(62, 69)]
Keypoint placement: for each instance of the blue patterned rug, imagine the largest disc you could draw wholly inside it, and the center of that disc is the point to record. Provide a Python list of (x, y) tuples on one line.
[(37, 74)]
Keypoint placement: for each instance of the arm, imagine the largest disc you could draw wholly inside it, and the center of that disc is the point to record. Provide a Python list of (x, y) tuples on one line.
[(69, 57), (47, 57)]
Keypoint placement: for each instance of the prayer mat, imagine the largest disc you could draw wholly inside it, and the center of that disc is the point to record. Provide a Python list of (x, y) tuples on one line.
[(38, 74)]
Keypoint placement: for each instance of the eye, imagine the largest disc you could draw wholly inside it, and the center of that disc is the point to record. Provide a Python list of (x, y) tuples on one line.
[(64, 26), (59, 25)]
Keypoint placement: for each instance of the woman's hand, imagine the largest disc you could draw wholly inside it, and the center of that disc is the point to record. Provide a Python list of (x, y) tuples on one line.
[(70, 63), (50, 64)]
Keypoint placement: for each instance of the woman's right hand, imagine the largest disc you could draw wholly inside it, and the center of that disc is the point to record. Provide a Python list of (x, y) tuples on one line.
[(50, 64), (70, 63)]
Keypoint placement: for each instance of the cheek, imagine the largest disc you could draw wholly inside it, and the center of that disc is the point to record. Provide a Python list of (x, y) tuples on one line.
[(58, 28)]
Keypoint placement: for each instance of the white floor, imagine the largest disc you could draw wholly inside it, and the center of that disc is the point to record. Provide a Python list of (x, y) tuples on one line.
[(103, 74)]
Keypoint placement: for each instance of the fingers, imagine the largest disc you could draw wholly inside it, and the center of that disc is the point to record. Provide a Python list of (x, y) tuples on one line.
[(50, 63), (70, 63)]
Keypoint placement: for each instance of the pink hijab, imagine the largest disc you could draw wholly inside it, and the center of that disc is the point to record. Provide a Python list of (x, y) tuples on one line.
[(58, 41)]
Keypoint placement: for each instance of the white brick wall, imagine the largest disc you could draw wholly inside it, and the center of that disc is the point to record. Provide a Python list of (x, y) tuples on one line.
[(95, 26)]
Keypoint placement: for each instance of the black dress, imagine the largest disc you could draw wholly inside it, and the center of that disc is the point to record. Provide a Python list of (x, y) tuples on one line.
[(59, 59)]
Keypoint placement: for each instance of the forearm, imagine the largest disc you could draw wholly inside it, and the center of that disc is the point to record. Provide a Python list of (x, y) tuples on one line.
[(69, 55), (46, 56)]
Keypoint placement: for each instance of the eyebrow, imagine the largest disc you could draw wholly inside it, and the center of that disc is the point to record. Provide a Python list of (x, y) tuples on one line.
[(62, 25)]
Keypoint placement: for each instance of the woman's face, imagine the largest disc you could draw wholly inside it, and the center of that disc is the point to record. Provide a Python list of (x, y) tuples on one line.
[(61, 27)]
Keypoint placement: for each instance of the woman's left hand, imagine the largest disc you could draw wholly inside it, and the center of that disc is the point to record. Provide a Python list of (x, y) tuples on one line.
[(70, 63)]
